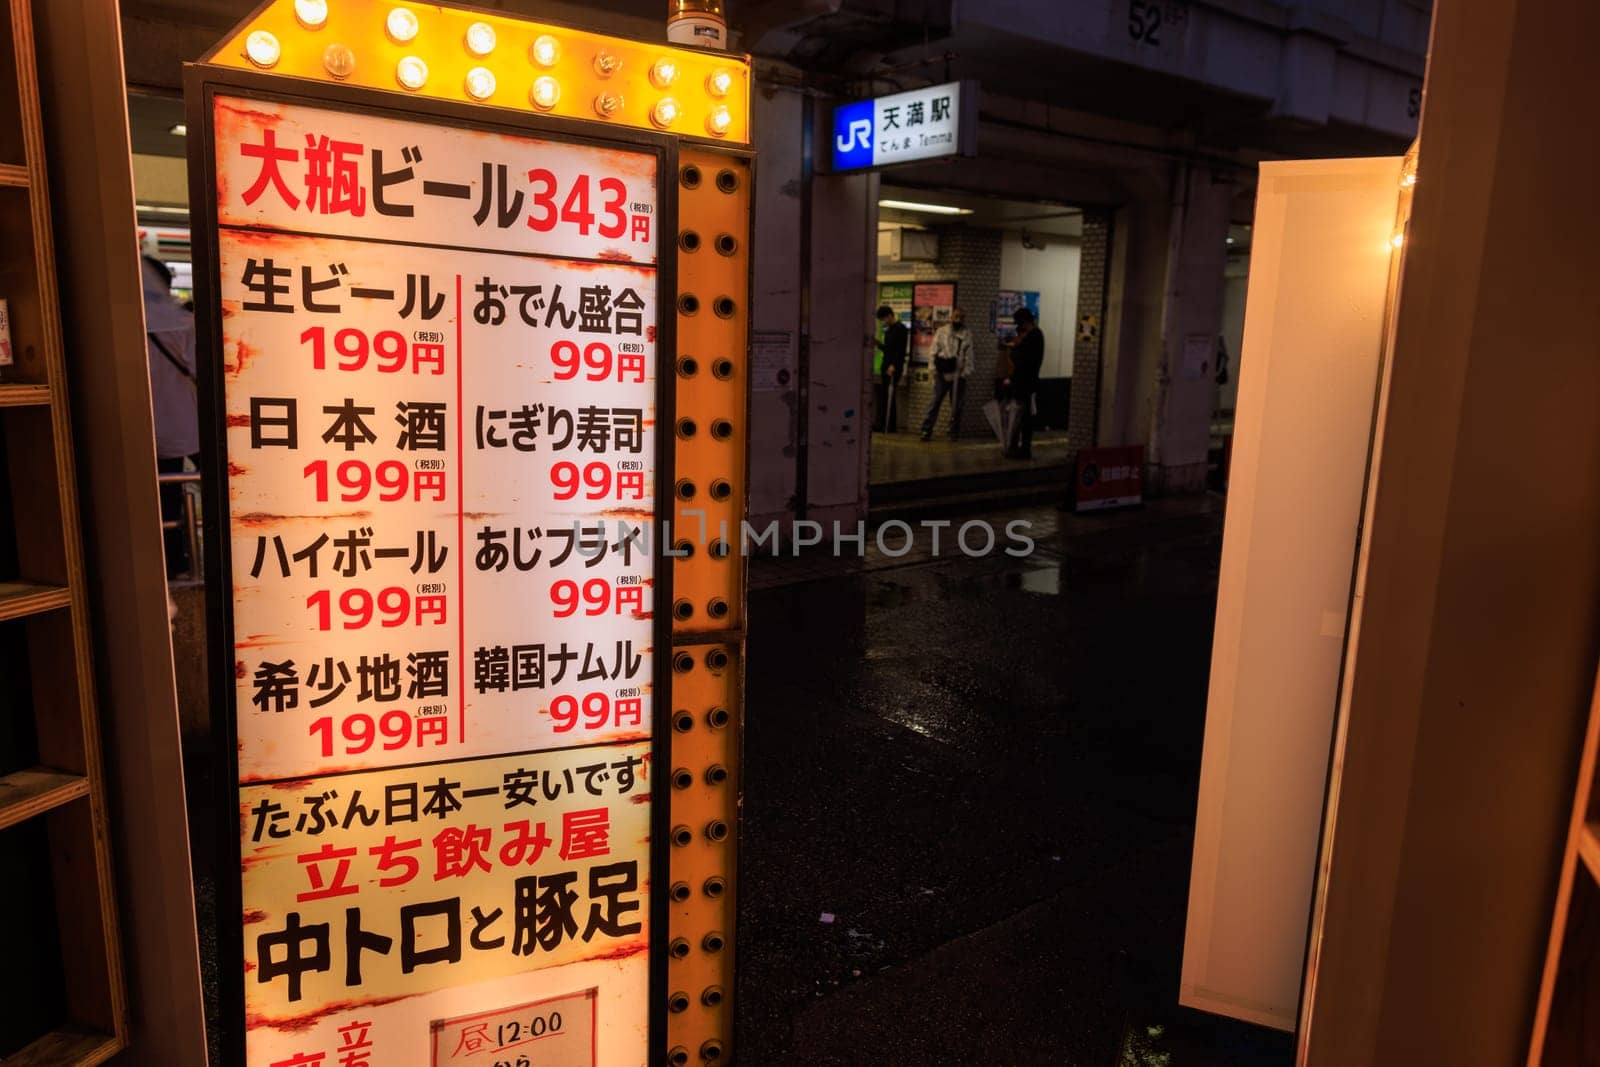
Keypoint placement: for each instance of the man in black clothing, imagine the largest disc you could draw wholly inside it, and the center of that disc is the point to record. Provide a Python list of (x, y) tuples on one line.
[(896, 340), (1027, 357)]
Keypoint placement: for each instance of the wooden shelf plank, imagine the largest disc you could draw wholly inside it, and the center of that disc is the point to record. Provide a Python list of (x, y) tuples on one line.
[(22, 394), (24, 794), (30, 598), (1589, 848), (67, 1048), (13, 175)]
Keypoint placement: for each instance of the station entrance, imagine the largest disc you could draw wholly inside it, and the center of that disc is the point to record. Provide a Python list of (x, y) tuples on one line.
[(955, 269)]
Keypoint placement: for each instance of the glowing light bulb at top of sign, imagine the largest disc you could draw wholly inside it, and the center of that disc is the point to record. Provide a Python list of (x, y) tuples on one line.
[(663, 72), (546, 93), (262, 49), (480, 38), (546, 50), (665, 113), (411, 72), (720, 83), (719, 121), (402, 24), (480, 83), (311, 13)]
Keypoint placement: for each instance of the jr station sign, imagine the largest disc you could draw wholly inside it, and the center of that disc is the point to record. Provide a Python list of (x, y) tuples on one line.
[(437, 271)]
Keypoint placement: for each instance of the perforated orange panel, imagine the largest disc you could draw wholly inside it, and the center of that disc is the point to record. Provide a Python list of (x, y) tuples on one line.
[(708, 609)]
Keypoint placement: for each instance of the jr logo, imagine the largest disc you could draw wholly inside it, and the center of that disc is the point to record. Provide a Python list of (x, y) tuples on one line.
[(852, 135), (858, 133)]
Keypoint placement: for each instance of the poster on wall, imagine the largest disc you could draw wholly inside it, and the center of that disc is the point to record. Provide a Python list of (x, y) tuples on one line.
[(931, 306), (1006, 303), (439, 394)]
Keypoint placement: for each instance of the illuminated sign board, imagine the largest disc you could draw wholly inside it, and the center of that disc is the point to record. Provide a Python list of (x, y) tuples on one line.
[(436, 474), (922, 124)]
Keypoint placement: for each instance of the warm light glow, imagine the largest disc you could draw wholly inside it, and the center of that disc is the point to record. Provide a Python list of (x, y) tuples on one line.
[(718, 122), (262, 49), (546, 93), (1409, 180), (720, 83), (608, 104), (180, 130), (665, 113), (606, 64), (411, 73), (480, 38), (546, 50), (311, 13), (663, 72), (1397, 240), (480, 83), (339, 60), (402, 24), (931, 209)]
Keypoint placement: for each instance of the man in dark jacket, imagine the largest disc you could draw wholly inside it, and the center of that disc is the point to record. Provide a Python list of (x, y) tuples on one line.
[(896, 341), (1027, 357)]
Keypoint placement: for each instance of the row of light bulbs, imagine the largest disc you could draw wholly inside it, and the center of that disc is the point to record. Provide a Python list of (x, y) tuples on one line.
[(263, 49)]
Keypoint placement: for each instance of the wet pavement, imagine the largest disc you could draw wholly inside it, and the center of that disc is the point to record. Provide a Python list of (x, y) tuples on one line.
[(969, 803)]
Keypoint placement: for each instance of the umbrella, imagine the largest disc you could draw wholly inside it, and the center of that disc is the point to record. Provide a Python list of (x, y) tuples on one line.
[(991, 412)]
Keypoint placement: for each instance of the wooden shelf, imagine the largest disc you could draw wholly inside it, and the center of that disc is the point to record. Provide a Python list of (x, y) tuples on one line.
[(77, 1048), (24, 794), (23, 394), (13, 175), (18, 599), (1589, 848)]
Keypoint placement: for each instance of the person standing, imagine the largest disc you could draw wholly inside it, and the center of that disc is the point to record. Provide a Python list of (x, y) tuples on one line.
[(1027, 358), (895, 344), (952, 362), (170, 345)]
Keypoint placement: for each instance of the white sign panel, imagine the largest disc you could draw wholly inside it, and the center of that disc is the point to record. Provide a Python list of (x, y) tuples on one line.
[(439, 366), (920, 124)]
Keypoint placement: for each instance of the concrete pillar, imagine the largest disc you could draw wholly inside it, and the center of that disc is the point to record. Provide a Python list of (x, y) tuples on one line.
[(1163, 300), (844, 215), (775, 305), (1180, 434), (812, 303), (1088, 324)]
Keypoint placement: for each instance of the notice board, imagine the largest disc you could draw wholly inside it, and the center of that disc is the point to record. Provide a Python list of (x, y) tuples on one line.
[(435, 387)]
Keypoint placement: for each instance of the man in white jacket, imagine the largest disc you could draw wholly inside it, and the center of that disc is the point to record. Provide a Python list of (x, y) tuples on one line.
[(952, 362)]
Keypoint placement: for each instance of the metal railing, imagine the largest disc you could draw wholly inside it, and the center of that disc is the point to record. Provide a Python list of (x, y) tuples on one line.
[(190, 523)]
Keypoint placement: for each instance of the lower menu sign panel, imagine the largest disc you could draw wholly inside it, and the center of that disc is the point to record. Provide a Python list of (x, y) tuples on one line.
[(439, 364)]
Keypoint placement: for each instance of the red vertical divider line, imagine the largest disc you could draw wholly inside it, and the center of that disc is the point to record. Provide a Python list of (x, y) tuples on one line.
[(461, 531)]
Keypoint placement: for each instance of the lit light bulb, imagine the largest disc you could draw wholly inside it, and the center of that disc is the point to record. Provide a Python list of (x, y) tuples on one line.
[(720, 83), (606, 64), (402, 24), (262, 49), (339, 60), (1397, 240), (1409, 180), (665, 113), (719, 121), (411, 72), (480, 83), (546, 50), (663, 73), (311, 13), (480, 38), (546, 93), (607, 104)]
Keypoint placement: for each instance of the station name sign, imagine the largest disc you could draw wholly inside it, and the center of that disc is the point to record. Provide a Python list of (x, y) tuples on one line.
[(922, 124)]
